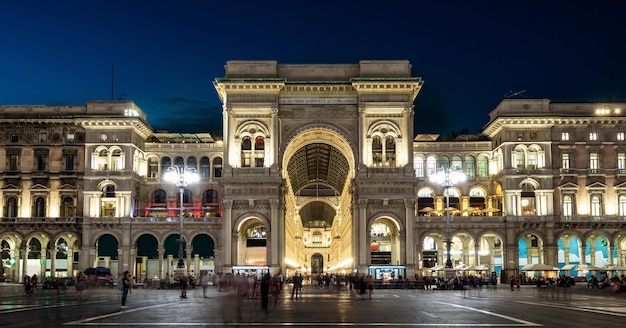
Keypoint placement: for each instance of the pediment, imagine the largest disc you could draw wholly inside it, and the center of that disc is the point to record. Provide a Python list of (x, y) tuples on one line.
[(597, 186), (568, 185), (11, 187), (39, 187), (621, 186), (67, 187)]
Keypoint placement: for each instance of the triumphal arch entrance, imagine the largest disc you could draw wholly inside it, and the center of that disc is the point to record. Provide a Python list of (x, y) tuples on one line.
[(318, 174)]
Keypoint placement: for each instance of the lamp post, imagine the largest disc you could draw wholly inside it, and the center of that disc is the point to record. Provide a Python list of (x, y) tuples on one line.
[(181, 177), (447, 177)]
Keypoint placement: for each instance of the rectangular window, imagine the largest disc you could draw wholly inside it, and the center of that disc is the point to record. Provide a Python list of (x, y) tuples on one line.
[(620, 136), (593, 136), (621, 205), (70, 137), (565, 136), (69, 162), (621, 162), (596, 205), (594, 161), (14, 162), (565, 161), (43, 137), (41, 162), (14, 137)]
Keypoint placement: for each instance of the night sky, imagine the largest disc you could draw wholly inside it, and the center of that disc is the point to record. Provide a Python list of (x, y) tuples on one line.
[(471, 54)]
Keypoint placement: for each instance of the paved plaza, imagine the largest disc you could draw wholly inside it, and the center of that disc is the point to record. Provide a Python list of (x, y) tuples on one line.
[(482, 307)]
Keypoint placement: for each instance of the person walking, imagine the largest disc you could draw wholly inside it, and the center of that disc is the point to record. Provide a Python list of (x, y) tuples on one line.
[(204, 280), (183, 281), (265, 290), (125, 287), (81, 285), (297, 285)]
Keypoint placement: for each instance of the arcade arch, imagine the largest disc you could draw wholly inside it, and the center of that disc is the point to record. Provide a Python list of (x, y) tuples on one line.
[(318, 165)]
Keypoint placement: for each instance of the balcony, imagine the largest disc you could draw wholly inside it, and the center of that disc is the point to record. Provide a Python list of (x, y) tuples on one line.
[(41, 220)]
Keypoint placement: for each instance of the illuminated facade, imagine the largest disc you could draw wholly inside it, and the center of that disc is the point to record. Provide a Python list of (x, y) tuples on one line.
[(319, 170)]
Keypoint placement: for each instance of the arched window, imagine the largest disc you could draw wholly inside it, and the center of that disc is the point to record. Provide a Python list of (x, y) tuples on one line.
[(596, 205), (210, 203), (457, 163), (390, 151), (68, 207), (418, 164), (477, 200), (246, 152), (470, 166), (205, 167), (103, 160), (11, 209), (444, 162), (253, 151), (532, 160), (34, 249), (159, 197), (116, 160), (217, 167), (377, 151), (527, 200), (179, 161), (166, 163), (191, 162), (425, 201), (483, 166), (259, 152), (108, 191), (519, 158), (153, 168), (431, 165), (210, 196)]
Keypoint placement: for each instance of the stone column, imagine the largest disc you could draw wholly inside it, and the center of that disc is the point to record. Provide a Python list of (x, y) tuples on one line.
[(476, 256), (161, 251), (24, 264), (188, 258), (362, 236), (53, 260), (409, 234), (227, 227), (276, 247)]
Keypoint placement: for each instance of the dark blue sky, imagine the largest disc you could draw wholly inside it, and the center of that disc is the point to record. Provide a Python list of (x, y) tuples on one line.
[(167, 53)]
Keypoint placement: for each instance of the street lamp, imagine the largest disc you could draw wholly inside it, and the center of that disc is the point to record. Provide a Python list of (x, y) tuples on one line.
[(182, 177), (447, 177)]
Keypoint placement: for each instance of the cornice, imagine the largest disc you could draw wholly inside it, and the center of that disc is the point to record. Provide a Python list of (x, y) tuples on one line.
[(225, 87), (143, 129), (411, 86), (499, 124)]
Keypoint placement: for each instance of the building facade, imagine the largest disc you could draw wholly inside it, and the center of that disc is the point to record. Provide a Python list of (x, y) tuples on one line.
[(318, 170)]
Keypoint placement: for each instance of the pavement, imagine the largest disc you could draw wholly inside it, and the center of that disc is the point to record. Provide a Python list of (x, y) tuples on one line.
[(315, 307)]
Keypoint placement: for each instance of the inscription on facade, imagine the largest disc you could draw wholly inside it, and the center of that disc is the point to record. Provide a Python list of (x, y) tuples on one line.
[(320, 101)]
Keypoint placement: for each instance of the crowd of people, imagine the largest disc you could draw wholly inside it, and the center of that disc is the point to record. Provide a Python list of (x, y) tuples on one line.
[(267, 286)]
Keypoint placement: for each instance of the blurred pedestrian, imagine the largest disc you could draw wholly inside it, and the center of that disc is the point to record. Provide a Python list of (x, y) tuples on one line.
[(125, 281), (183, 282), (204, 280), (265, 290), (81, 285)]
